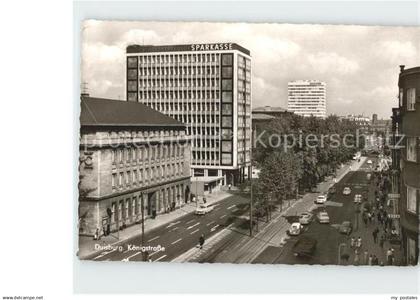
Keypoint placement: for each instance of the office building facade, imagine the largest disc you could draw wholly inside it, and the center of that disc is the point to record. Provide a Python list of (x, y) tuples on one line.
[(134, 164), (307, 98), (208, 88)]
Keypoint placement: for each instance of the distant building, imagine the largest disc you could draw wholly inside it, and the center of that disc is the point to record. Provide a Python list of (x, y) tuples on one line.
[(380, 125), (208, 88), (129, 152), (406, 161), (307, 98), (264, 114), (362, 122)]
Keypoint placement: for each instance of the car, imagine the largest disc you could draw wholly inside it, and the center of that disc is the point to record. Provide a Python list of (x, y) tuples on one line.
[(357, 198), (369, 162), (204, 208), (323, 217), (346, 191), (346, 228), (305, 218), (295, 229), (321, 199), (304, 246), (368, 176)]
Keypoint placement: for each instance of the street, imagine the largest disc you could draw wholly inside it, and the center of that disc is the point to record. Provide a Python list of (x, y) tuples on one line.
[(181, 234), (339, 208)]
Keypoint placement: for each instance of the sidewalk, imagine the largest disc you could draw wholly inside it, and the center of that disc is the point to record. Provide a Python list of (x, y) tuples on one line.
[(87, 244), (244, 249)]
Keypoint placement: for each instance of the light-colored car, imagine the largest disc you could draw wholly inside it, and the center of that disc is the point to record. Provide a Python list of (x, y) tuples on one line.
[(305, 218), (346, 191), (321, 199), (346, 227), (357, 198), (323, 217), (369, 162), (204, 208), (368, 176), (295, 229)]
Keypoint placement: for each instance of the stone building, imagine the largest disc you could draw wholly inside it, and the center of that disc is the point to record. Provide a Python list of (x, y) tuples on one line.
[(132, 159)]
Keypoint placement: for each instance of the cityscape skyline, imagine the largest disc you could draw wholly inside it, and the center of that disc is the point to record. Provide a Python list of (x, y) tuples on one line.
[(280, 52)]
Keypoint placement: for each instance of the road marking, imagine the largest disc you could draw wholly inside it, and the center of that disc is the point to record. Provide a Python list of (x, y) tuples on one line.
[(214, 228), (190, 221), (192, 226), (105, 253), (173, 229), (131, 256), (230, 207), (194, 231), (173, 224), (173, 243), (236, 209), (222, 216), (155, 238), (162, 257), (153, 253), (212, 222)]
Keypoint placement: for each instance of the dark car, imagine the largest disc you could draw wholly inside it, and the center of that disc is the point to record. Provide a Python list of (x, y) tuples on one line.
[(305, 246), (346, 228), (332, 190)]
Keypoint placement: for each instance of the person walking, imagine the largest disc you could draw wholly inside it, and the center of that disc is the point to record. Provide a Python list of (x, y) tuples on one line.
[(359, 242), (382, 241), (365, 257), (375, 235), (201, 241), (352, 242), (375, 260), (370, 260), (356, 257)]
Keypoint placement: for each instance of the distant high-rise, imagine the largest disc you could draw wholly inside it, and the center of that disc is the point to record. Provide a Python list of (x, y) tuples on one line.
[(307, 98)]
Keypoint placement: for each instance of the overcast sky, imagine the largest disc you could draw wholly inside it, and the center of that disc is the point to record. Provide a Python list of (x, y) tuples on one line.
[(359, 64)]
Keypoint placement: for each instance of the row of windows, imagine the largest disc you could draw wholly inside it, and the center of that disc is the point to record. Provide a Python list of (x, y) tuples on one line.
[(127, 179), (205, 155), (411, 98), (159, 71), (131, 155), (172, 58), (174, 95), (189, 108), (185, 83)]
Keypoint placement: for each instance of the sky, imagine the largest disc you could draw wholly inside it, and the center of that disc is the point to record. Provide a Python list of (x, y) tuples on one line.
[(360, 64)]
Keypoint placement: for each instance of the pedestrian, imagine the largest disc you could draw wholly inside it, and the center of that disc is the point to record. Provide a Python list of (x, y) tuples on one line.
[(352, 242), (369, 216), (201, 241), (381, 241), (365, 219), (365, 257), (96, 235), (375, 235), (359, 242), (229, 186), (389, 254), (375, 260), (370, 260), (356, 257)]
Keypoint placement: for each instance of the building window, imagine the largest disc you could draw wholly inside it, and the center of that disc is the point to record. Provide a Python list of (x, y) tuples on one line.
[(114, 180), (412, 199), (401, 97), (411, 99), (411, 149)]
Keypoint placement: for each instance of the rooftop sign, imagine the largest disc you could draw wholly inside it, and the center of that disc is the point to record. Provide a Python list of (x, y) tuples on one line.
[(187, 47)]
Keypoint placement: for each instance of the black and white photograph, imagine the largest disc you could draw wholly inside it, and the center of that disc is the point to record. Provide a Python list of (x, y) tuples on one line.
[(249, 143)]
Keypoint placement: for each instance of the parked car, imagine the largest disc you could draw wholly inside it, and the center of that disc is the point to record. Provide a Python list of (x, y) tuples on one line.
[(369, 161), (357, 198), (346, 191), (346, 227), (305, 246), (295, 229), (204, 208), (306, 218), (321, 199), (323, 217)]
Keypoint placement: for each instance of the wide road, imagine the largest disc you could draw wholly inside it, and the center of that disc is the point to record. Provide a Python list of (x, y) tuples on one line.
[(181, 234), (339, 208)]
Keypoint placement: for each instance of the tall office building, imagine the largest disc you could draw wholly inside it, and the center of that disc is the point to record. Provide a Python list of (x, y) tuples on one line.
[(207, 87), (307, 98)]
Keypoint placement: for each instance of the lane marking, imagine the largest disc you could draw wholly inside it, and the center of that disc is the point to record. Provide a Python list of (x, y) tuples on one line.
[(212, 222), (153, 253), (173, 229), (236, 209), (105, 253), (155, 238), (131, 256), (173, 224), (190, 221), (162, 257), (100, 255), (194, 231), (173, 243), (214, 228), (230, 207), (222, 216), (192, 226)]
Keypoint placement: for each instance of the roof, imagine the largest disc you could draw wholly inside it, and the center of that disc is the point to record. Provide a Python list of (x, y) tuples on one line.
[(108, 112), (269, 109), (186, 47), (258, 116)]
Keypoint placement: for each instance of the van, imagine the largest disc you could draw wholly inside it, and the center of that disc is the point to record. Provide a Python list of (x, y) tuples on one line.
[(204, 208)]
